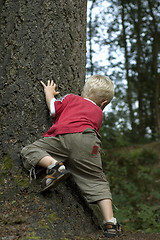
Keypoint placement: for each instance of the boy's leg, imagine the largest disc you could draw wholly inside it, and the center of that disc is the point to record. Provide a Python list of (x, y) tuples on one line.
[(48, 153), (111, 227), (43, 152), (46, 161), (105, 206), (86, 167)]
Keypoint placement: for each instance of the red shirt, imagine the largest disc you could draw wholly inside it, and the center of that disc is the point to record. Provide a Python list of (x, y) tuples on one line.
[(75, 114)]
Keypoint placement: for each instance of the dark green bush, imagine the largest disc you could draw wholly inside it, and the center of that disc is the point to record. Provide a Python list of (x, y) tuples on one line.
[(134, 182)]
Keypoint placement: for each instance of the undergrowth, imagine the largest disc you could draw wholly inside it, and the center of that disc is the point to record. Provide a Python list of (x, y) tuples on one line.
[(135, 182)]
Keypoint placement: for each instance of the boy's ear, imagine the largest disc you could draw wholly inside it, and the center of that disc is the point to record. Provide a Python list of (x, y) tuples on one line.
[(103, 104)]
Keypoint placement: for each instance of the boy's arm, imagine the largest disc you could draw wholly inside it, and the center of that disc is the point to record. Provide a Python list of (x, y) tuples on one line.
[(49, 91)]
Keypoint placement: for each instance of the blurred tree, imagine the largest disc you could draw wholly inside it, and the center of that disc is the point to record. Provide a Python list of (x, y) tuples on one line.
[(90, 36), (156, 59), (132, 38)]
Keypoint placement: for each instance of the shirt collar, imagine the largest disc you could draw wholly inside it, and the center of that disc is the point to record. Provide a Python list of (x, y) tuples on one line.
[(90, 100)]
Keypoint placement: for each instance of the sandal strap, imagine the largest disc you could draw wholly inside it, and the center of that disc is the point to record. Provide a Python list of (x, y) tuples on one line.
[(110, 226), (50, 171), (49, 176)]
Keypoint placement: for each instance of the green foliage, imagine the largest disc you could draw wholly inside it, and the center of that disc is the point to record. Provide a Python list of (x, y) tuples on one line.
[(134, 182), (112, 135)]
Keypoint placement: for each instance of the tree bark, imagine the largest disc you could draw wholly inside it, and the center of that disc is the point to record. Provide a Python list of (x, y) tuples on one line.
[(40, 40)]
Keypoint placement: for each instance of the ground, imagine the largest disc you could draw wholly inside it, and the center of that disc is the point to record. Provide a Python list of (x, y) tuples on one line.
[(25, 214), (18, 215)]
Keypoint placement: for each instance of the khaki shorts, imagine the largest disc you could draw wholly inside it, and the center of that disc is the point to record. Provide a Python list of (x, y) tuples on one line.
[(81, 154)]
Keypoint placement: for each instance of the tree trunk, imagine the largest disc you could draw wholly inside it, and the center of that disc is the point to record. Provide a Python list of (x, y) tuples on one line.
[(129, 91), (40, 40), (140, 77), (156, 75)]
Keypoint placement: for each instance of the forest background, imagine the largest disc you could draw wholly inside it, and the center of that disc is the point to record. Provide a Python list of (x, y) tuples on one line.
[(40, 40), (123, 41)]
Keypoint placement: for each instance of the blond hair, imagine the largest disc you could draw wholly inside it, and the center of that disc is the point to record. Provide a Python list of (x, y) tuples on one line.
[(98, 88)]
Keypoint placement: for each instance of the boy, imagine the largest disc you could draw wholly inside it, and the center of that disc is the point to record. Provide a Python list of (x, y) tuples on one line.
[(73, 139)]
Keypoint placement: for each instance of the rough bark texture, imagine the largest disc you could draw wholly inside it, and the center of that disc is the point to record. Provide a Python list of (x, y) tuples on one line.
[(40, 40)]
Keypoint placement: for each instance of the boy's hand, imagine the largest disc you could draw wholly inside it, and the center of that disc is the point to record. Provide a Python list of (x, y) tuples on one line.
[(50, 91), (50, 88)]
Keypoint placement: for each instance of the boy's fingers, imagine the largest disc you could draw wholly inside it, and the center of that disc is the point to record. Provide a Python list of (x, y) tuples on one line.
[(43, 84), (57, 93), (49, 84)]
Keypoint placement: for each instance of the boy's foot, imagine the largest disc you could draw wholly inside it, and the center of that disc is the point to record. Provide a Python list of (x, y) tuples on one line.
[(54, 176), (112, 230)]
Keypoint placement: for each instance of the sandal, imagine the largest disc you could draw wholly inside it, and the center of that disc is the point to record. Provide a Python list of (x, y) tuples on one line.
[(54, 177)]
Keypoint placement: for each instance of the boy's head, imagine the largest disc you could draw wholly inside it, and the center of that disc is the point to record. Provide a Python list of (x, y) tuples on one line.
[(98, 89)]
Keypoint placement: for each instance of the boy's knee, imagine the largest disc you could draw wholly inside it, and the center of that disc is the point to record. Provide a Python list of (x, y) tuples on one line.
[(24, 151)]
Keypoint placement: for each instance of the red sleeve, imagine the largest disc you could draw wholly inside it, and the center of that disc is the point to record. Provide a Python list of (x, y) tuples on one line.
[(60, 105)]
